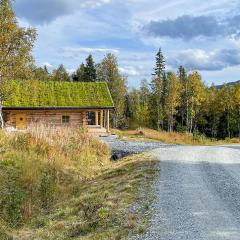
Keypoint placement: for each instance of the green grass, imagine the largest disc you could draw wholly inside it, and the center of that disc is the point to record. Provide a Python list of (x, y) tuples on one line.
[(63, 186), (52, 94)]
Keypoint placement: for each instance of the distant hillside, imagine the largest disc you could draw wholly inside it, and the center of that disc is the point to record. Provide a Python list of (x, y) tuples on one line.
[(231, 84)]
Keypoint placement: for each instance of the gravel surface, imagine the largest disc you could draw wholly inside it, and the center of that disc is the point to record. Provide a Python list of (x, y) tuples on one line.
[(126, 147), (197, 194)]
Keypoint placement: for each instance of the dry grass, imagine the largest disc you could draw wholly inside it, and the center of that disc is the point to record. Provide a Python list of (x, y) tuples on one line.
[(61, 185), (173, 138), (71, 148), (40, 168), (100, 208)]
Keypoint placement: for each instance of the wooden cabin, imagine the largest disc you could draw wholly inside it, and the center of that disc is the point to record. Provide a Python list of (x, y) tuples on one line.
[(58, 104)]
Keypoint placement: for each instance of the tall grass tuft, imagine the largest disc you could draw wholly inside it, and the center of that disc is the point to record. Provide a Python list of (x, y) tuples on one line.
[(41, 166)]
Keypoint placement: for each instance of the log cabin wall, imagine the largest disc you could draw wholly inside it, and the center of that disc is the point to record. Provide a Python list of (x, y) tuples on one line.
[(78, 118)]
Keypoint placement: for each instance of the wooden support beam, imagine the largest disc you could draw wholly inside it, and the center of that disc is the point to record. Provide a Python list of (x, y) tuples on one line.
[(96, 118), (101, 118), (84, 119), (107, 122)]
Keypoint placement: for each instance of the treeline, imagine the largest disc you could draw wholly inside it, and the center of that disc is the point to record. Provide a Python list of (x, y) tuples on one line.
[(182, 102), (169, 101), (85, 73)]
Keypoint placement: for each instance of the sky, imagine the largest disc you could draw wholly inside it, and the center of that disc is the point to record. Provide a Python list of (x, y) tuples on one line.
[(201, 35)]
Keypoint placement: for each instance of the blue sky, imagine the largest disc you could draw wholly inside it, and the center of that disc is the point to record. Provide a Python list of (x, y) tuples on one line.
[(199, 34)]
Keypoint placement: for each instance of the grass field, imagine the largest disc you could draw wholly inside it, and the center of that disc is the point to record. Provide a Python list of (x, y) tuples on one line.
[(63, 186)]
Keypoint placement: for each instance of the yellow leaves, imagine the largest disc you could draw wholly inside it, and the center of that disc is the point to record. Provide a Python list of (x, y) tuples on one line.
[(15, 44), (237, 95), (172, 101), (197, 88)]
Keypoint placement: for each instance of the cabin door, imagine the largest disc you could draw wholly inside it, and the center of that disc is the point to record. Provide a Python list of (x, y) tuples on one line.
[(21, 121)]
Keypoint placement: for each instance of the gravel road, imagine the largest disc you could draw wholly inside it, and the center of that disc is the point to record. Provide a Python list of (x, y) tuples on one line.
[(198, 194), (127, 147)]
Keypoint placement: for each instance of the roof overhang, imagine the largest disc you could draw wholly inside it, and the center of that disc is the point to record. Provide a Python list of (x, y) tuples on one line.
[(58, 108)]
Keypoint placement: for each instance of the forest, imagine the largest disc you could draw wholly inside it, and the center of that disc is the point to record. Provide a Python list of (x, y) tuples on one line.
[(170, 101)]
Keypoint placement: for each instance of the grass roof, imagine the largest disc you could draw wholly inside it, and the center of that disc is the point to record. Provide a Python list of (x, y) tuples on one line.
[(36, 93)]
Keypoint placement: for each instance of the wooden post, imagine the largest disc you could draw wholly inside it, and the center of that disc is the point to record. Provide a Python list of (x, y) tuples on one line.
[(101, 118), (84, 116), (96, 118), (107, 124)]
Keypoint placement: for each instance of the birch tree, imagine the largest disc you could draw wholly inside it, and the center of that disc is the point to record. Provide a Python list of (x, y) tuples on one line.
[(172, 99), (108, 71), (196, 96), (16, 44)]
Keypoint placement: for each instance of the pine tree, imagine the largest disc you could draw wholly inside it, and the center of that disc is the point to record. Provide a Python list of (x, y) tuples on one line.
[(90, 74)]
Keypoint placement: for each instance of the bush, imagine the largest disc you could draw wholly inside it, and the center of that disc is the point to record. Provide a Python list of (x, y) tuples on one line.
[(200, 138)]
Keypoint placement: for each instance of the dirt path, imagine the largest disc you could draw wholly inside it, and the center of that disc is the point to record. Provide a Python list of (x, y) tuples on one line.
[(198, 194)]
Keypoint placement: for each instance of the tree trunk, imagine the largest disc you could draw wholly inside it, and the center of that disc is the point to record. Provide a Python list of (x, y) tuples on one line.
[(239, 122), (228, 125), (1, 116)]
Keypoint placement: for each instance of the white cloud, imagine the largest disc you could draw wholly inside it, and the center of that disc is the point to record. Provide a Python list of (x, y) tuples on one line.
[(94, 3), (129, 71), (71, 70), (90, 50), (47, 64), (45, 11), (199, 59)]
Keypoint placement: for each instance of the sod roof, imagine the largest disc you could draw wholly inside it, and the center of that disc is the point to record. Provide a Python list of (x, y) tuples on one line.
[(35, 93)]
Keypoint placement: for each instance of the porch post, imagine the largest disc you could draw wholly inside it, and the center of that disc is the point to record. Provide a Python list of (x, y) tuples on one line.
[(84, 120), (101, 118), (96, 118), (107, 124)]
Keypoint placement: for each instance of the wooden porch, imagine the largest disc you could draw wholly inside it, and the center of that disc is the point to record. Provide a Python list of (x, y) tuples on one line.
[(100, 125)]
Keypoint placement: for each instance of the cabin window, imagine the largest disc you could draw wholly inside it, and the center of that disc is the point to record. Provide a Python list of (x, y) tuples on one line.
[(65, 119), (91, 118)]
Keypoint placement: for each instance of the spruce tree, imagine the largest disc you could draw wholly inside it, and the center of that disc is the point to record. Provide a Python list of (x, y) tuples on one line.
[(159, 70), (157, 107), (80, 73), (184, 107), (90, 74)]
